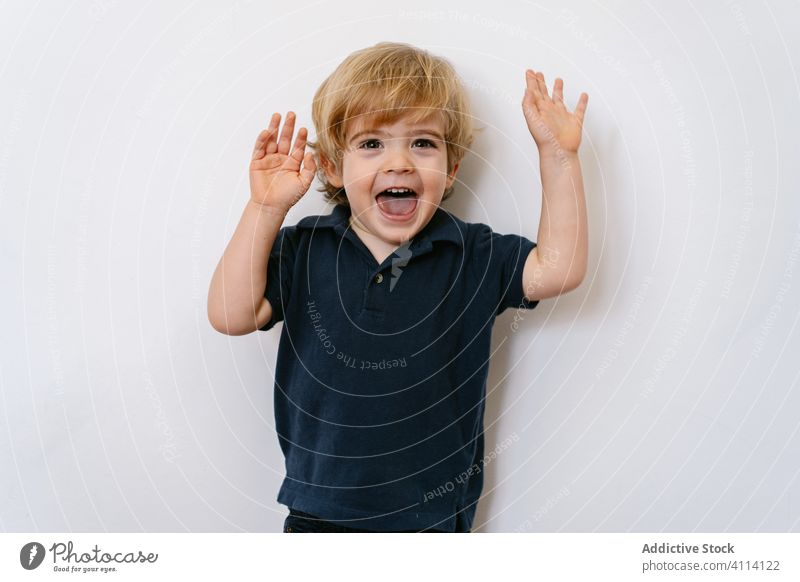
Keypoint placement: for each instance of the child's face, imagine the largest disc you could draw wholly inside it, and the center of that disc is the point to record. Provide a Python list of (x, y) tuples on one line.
[(396, 155)]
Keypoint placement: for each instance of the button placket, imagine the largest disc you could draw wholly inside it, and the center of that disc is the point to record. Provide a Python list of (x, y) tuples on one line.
[(376, 293)]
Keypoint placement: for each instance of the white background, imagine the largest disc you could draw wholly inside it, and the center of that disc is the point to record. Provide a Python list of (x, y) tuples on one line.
[(661, 395)]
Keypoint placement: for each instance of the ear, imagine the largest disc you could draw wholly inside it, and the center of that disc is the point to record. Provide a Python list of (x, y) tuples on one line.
[(333, 176), (452, 177)]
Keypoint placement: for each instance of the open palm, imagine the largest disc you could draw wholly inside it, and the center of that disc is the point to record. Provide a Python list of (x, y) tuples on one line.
[(276, 178), (550, 123)]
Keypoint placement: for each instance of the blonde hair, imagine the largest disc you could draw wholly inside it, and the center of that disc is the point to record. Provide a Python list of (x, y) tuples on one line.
[(382, 83)]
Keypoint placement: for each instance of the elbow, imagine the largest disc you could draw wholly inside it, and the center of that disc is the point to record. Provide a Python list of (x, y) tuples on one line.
[(552, 287), (238, 323), (223, 324), (572, 283), (218, 324), (228, 329)]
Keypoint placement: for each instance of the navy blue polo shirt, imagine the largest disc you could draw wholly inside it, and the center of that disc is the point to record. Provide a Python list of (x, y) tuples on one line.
[(380, 379)]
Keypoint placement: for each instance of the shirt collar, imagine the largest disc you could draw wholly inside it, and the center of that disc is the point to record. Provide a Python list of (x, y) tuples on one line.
[(442, 226)]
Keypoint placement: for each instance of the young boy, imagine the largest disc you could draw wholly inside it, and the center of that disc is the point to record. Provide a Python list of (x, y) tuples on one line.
[(388, 302)]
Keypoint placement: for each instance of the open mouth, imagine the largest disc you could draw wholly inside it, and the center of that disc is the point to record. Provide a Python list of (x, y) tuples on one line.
[(397, 203)]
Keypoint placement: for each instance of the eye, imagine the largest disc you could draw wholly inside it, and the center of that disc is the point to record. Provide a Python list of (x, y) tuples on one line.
[(365, 144), (426, 142)]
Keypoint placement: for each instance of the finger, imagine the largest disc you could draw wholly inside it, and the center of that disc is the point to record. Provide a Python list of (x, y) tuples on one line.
[(308, 171), (272, 146), (529, 108), (580, 108), (533, 85), (286, 134), (300, 144), (542, 85), (259, 150), (558, 91)]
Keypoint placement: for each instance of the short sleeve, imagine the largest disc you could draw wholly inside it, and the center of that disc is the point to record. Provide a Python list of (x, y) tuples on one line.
[(499, 263), (280, 268)]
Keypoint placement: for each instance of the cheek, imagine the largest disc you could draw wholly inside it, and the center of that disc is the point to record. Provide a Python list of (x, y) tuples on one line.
[(437, 165), (358, 175), (436, 174)]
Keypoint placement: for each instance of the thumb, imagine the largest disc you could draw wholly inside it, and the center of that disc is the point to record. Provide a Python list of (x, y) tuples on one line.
[(308, 171)]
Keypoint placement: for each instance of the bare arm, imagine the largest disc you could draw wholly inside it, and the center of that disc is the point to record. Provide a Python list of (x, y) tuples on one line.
[(236, 302), (558, 263)]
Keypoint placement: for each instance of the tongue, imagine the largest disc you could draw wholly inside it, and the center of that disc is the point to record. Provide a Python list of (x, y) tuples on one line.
[(395, 205)]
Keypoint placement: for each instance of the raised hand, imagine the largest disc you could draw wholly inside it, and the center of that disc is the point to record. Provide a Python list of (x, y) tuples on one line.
[(550, 123), (276, 178)]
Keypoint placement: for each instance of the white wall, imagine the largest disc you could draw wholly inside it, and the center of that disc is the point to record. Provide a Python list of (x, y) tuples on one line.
[(660, 395)]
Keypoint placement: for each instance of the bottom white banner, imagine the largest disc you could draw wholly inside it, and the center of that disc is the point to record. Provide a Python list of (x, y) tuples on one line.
[(517, 556)]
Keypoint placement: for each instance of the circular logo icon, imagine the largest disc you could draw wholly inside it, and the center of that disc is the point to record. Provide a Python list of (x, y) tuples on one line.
[(31, 555)]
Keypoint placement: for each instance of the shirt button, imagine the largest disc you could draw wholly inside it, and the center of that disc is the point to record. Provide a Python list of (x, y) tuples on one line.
[(379, 277)]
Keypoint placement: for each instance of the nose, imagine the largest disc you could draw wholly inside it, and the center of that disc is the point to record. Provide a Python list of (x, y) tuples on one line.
[(397, 160)]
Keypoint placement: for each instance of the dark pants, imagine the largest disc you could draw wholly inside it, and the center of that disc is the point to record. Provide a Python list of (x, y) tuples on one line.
[(299, 522)]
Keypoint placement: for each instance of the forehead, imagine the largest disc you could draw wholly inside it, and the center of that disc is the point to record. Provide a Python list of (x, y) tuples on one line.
[(398, 126)]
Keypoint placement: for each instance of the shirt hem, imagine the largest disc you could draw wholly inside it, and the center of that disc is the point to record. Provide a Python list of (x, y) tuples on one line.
[(406, 519)]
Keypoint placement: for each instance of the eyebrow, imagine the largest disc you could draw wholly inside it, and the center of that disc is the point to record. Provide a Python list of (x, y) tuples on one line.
[(425, 131)]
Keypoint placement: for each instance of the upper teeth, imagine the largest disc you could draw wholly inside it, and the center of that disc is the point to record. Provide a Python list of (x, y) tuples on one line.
[(398, 190)]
